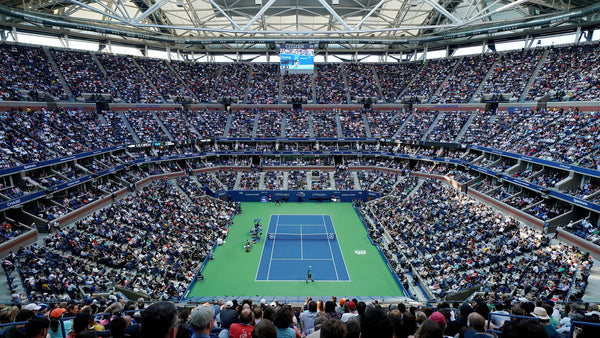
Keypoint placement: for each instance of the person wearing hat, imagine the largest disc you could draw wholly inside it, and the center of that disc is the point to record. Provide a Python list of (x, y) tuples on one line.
[(202, 321), (351, 313), (32, 307), (56, 330), (540, 313), (340, 308), (227, 316), (439, 318)]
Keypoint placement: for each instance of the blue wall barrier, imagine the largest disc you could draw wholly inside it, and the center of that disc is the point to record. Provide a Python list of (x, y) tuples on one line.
[(202, 266)]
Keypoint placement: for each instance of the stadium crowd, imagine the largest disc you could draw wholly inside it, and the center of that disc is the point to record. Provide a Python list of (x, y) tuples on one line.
[(131, 82), (163, 78), (150, 242), (484, 316), (567, 73), (81, 73), (263, 86), (511, 72), (415, 234), (464, 80), (565, 136), (25, 71)]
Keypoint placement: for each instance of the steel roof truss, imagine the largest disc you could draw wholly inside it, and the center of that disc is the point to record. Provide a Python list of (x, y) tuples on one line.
[(443, 11), (111, 15), (157, 5), (225, 14), (334, 14), (259, 14)]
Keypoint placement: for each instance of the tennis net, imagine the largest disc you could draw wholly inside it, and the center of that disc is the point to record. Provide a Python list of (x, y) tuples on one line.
[(304, 237)]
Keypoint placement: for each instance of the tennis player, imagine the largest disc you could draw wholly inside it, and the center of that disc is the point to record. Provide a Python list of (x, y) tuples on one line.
[(309, 274)]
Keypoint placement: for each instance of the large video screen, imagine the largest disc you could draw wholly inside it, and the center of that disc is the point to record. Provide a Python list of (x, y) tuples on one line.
[(296, 58)]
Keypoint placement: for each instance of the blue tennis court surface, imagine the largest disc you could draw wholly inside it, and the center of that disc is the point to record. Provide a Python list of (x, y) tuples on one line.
[(295, 242)]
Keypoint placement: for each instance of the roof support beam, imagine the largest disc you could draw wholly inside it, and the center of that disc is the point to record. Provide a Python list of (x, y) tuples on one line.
[(99, 11), (334, 14), (474, 4), (556, 5), (121, 8), (443, 11), (498, 10), (225, 15), (157, 5), (259, 14), (369, 14)]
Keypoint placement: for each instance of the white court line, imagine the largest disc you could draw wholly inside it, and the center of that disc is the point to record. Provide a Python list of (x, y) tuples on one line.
[(295, 225), (341, 253), (301, 251), (302, 280), (330, 249), (302, 259), (272, 248), (262, 252)]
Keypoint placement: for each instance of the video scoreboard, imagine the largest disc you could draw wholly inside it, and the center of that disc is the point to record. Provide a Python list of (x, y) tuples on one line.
[(297, 58)]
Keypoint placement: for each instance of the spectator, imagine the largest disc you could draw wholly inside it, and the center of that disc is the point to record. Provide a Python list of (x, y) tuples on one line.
[(307, 318), (523, 328), (227, 316), (264, 329), (56, 328), (375, 324), (18, 331), (333, 328), (429, 329), (283, 322), (37, 327), (244, 327), (540, 313), (202, 321), (476, 328), (351, 312), (352, 328), (117, 326), (159, 320)]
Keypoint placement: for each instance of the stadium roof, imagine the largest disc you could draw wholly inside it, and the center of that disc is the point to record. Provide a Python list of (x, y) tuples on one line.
[(234, 25)]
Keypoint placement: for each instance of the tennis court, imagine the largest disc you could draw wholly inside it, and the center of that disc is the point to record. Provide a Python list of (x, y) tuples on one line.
[(295, 242), (233, 271)]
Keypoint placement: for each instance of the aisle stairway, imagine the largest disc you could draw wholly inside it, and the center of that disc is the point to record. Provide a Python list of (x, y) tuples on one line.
[(592, 292)]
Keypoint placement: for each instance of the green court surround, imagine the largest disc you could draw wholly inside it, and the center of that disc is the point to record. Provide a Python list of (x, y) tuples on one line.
[(232, 273)]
